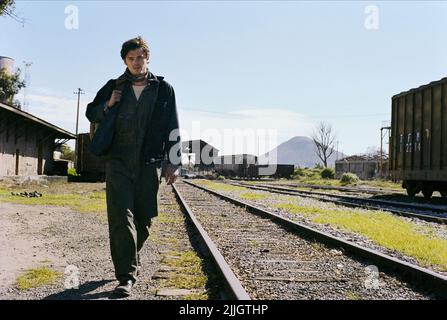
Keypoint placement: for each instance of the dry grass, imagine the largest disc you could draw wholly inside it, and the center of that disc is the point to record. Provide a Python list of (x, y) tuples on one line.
[(219, 186), (93, 201), (34, 278), (188, 272), (244, 193), (383, 228), (164, 217), (252, 196)]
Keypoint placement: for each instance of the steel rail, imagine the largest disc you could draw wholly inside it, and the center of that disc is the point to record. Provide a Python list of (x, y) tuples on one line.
[(232, 284), (310, 194), (433, 281)]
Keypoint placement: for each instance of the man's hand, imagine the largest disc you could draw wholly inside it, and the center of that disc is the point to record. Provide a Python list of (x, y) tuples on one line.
[(171, 173), (116, 97)]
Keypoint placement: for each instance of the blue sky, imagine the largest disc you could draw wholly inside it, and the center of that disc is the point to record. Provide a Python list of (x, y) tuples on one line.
[(238, 65)]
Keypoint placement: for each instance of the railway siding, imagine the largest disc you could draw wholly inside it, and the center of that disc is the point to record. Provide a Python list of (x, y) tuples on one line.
[(273, 263), (419, 242)]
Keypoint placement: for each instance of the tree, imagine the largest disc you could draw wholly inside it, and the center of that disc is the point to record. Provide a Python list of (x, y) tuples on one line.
[(324, 138), (7, 7), (67, 153), (10, 85)]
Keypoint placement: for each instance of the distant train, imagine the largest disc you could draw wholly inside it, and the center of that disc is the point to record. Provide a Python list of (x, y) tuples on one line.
[(418, 143), (246, 166), (254, 171), (92, 168)]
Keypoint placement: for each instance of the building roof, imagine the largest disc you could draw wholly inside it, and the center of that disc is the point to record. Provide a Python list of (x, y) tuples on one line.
[(60, 133), (239, 155), (364, 157), (202, 144), (422, 87)]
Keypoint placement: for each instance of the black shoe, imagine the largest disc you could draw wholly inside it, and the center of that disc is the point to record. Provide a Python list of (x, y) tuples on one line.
[(123, 289)]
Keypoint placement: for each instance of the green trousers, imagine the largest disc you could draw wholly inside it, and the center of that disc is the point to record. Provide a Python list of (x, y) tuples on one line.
[(131, 190)]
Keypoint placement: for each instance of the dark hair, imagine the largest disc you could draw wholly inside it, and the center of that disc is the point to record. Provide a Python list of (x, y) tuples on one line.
[(133, 44)]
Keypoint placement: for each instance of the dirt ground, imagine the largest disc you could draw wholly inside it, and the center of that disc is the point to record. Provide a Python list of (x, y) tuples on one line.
[(52, 237), (58, 238)]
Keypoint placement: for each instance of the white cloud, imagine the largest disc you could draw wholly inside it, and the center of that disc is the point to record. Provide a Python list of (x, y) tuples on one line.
[(58, 110), (247, 130), (212, 126)]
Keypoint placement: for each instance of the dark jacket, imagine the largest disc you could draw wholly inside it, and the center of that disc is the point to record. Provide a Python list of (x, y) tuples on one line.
[(162, 120)]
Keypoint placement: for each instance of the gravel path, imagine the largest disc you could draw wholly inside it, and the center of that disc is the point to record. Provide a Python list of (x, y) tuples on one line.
[(272, 263)]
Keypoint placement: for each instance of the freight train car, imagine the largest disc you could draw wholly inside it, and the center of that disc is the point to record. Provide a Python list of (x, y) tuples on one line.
[(280, 171), (91, 167), (234, 165), (246, 166), (418, 142)]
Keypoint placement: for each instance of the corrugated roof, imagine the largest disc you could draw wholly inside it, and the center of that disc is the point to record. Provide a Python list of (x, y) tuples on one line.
[(364, 157), (420, 87), (189, 143), (62, 133)]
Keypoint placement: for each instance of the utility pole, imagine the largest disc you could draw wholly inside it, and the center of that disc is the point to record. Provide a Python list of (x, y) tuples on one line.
[(80, 91), (337, 149), (385, 126)]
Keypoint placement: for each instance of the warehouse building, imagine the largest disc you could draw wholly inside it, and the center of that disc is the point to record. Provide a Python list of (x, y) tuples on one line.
[(200, 154), (27, 143), (364, 166)]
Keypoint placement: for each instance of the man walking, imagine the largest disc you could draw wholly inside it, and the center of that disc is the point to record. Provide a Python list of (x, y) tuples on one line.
[(146, 133)]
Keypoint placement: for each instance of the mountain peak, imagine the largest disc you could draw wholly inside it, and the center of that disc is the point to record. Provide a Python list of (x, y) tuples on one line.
[(298, 150), (299, 139)]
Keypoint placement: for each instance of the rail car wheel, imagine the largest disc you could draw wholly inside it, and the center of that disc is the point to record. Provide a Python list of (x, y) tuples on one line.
[(427, 192), (412, 189)]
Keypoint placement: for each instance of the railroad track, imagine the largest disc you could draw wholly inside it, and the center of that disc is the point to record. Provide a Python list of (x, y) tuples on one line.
[(376, 191), (411, 210), (262, 255)]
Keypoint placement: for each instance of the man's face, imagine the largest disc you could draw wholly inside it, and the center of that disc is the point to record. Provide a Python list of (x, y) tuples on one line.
[(136, 61)]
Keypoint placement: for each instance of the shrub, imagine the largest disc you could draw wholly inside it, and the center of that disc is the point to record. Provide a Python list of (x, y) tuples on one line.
[(299, 172), (328, 173), (314, 173), (220, 178), (306, 173), (72, 172), (349, 177)]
